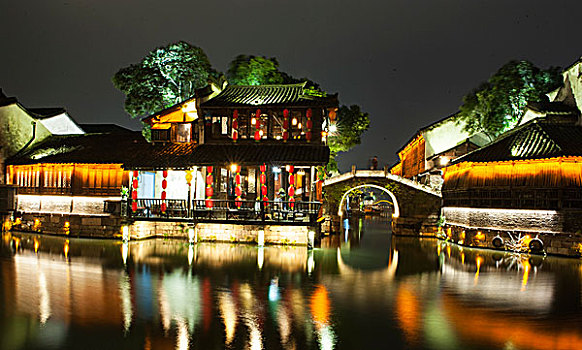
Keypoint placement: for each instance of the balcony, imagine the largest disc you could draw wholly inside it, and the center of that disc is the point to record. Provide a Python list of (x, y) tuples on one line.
[(226, 211)]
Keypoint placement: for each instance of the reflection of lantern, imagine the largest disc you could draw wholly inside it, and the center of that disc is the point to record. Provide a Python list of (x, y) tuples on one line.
[(309, 124), (209, 189)]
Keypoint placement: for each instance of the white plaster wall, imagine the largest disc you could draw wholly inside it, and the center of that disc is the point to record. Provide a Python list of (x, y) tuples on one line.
[(505, 219), (16, 129), (447, 135), (61, 124), (177, 187), (530, 115), (573, 74)]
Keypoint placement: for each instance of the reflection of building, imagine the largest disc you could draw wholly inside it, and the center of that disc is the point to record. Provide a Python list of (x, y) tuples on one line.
[(432, 148)]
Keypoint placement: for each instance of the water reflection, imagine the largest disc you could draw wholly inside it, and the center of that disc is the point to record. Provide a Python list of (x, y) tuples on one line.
[(371, 292)]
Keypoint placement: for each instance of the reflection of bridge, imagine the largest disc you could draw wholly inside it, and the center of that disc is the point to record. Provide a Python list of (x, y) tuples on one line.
[(416, 207)]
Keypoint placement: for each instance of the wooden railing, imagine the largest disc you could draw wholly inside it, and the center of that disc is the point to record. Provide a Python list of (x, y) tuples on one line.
[(225, 210)]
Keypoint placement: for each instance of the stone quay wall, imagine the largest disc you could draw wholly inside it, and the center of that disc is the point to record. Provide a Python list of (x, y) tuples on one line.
[(90, 226), (218, 232), (559, 231)]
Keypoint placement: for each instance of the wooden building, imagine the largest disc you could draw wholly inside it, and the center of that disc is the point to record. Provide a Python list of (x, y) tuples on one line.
[(432, 148)]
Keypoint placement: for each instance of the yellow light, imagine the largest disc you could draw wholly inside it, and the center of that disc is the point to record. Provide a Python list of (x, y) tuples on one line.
[(299, 126), (66, 249), (67, 224), (233, 168), (261, 133), (294, 121), (36, 245), (253, 121), (18, 221), (480, 236)]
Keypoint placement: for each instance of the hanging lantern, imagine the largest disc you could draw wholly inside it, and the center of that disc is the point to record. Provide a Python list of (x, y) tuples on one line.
[(263, 181), (164, 186), (263, 168), (285, 125), (134, 195), (235, 125), (134, 182), (257, 135), (135, 174), (291, 189), (188, 177), (134, 206), (209, 189), (263, 178), (292, 203), (264, 190), (309, 124), (238, 188)]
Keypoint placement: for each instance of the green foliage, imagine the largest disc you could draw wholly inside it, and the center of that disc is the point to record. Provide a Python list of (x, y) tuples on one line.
[(254, 70), (166, 76), (351, 123), (498, 105)]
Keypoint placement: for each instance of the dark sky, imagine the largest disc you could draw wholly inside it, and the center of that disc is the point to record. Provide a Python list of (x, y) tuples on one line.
[(406, 62)]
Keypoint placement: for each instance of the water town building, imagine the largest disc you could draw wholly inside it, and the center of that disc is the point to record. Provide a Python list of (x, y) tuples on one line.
[(524, 190), (432, 148), (243, 160)]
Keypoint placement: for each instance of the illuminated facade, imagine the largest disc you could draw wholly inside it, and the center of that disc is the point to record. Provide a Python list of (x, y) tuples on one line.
[(432, 148), (527, 182)]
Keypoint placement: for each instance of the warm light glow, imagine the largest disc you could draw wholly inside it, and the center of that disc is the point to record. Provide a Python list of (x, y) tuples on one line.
[(444, 161), (192, 237), (294, 121), (66, 249), (299, 126), (233, 168), (253, 121), (261, 238), (526, 268), (333, 127), (125, 233), (480, 236)]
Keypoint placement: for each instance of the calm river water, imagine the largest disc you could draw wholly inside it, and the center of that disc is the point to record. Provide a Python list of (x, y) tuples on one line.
[(363, 290)]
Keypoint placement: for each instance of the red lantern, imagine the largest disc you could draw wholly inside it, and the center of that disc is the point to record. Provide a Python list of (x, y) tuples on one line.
[(264, 190), (286, 113), (208, 203), (265, 199), (238, 203), (291, 192), (235, 113), (209, 179), (164, 207), (135, 173), (309, 113), (285, 135), (291, 179), (235, 135), (257, 135), (209, 169), (308, 135), (263, 168), (238, 191), (291, 168), (309, 124), (292, 202), (134, 182), (165, 173), (237, 179), (134, 195), (235, 124), (164, 195), (209, 191), (258, 114), (263, 178), (164, 184), (134, 206)]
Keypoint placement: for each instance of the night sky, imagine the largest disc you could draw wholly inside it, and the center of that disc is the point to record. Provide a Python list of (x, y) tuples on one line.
[(406, 62)]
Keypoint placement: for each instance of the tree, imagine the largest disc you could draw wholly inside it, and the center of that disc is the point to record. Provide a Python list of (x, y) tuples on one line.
[(166, 76), (498, 105), (350, 125), (254, 70)]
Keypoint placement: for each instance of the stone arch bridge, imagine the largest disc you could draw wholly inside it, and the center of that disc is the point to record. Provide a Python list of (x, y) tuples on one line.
[(416, 207)]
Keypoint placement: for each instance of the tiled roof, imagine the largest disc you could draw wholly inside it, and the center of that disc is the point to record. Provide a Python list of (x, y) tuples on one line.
[(269, 95), (537, 139), (86, 148), (187, 155), (104, 129), (41, 113), (131, 150)]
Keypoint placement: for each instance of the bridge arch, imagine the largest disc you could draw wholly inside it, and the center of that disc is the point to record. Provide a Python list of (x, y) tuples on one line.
[(392, 196)]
